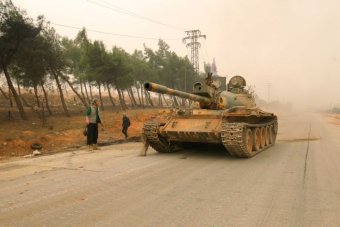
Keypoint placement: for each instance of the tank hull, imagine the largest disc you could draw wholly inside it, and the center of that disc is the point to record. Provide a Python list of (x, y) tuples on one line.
[(243, 132)]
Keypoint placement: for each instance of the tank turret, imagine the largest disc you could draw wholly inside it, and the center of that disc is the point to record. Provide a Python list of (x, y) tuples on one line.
[(208, 94)]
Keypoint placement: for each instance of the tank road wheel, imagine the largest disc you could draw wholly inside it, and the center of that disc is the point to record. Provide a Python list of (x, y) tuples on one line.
[(248, 140), (275, 129), (257, 139), (263, 136), (241, 141), (270, 134)]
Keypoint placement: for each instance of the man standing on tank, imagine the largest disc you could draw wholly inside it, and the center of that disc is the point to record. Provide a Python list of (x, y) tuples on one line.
[(92, 121)]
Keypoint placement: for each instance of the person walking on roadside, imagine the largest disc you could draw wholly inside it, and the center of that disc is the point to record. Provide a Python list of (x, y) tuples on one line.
[(92, 121), (125, 125)]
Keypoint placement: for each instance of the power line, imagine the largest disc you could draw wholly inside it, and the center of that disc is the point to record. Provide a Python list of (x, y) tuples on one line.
[(110, 6), (130, 13), (110, 33)]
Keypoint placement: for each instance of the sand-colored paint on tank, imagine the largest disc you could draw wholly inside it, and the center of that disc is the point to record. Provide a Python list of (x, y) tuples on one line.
[(230, 118)]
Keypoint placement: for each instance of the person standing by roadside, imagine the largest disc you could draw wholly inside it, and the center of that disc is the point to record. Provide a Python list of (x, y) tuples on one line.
[(125, 124), (92, 121)]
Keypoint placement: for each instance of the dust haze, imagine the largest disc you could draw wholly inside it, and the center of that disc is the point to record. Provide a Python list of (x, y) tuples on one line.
[(291, 45)]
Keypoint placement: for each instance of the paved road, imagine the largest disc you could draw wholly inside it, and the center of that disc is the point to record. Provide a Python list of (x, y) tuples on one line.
[(296, 183)]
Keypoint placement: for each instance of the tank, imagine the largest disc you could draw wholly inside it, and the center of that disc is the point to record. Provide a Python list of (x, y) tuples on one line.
[(230, 118)]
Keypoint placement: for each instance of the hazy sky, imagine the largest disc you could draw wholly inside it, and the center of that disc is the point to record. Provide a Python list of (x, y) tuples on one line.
[(294, 45)]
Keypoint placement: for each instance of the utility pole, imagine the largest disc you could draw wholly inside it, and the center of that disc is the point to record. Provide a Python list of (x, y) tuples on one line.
[(193, 36)]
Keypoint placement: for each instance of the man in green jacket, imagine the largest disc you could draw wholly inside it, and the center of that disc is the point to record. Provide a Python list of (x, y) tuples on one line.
[(92, 121)]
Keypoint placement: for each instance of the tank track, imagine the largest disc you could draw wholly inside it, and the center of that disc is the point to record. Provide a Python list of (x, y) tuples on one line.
[(233, 137), (150, 131)]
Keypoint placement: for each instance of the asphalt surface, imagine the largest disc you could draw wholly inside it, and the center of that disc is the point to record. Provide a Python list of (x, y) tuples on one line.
[(295, 183)]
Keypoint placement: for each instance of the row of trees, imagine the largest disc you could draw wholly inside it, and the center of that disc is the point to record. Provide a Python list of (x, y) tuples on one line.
[(33, 54)]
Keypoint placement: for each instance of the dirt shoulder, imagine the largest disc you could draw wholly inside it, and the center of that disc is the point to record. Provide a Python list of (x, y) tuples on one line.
[(64, 133)]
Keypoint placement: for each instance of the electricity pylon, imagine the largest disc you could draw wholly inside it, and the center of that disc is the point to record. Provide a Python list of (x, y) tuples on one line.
[(193, 36)]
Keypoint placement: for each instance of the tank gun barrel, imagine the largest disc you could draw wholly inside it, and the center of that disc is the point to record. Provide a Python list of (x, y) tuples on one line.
[(165, 90)]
